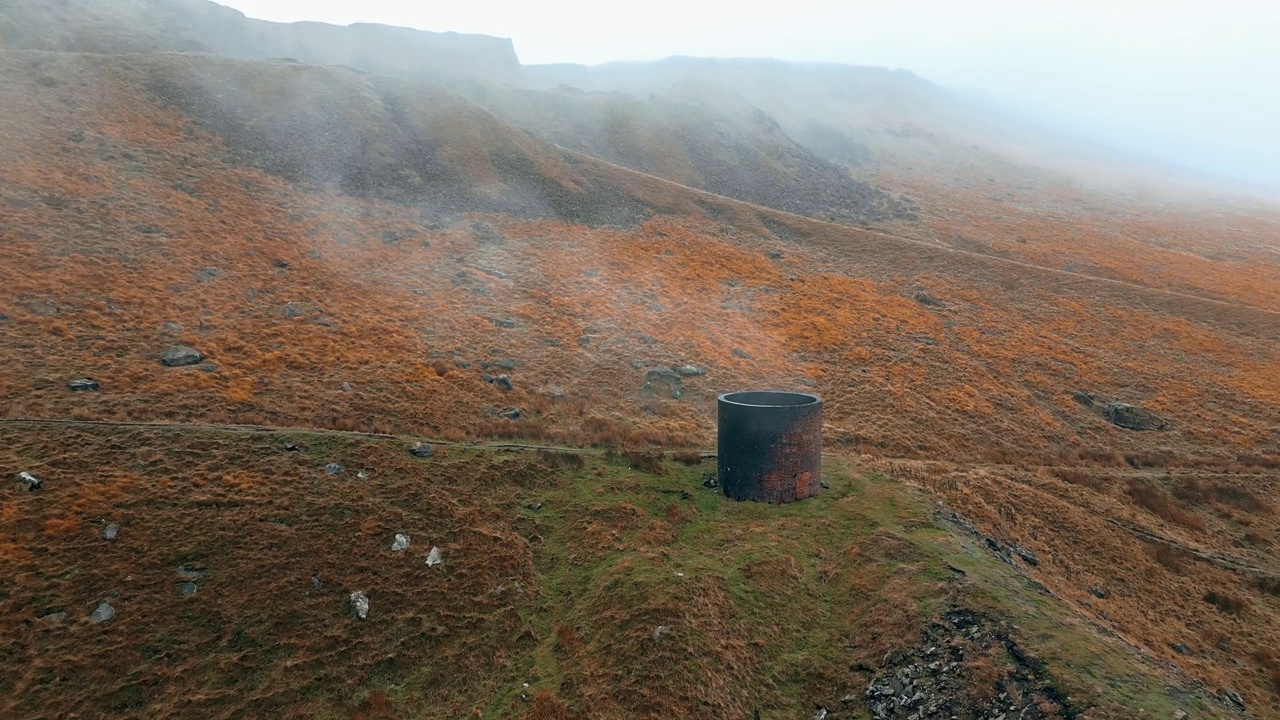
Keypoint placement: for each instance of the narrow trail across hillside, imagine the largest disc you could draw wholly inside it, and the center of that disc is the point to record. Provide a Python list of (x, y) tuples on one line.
[(285, 429), (943, 248), (1223, 562)]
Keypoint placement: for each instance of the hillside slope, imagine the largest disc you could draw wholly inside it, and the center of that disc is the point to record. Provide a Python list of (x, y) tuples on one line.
[(146, 26), (567, 585), (978, 181), (699, 135), (366, 252)]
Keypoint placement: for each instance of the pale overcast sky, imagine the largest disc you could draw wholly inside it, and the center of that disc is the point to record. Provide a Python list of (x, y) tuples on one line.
[(1194, 82)]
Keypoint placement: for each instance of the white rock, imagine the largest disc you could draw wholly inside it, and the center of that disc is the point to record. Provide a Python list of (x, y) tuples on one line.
[(433, 557), (401, 543), (359, 603)]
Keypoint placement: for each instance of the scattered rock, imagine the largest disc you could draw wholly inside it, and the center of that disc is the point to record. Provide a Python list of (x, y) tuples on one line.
[(204, 275), (172, 327), (316, 583), (400, 543), (54, 618), (502, 381), (434, 557), (82, 385), (665, 376), (935, 678), (359, 605), (333, 469), (4, 317), (296, 310), (1132, 417), (390, 237), (32, 482), (282, 263), (180, 355), (507, 323), (110, 532), (190, 572), (43, 307), (1181, 649), (690, 371), (512, 414), (500, 364), (421, 450), (659, 631), (1235, 700), (185, 187), (104, 613), (709, 481), (208, 367), (741, 354), (1086, 399), (774, 255), (486, 234), (188, 588), (1099, 592), (346, 387), (364, 475), (1179, 714), (149, 229), (534, 506), (821, 714), (922, 296), (290, 446), (1026, 554)]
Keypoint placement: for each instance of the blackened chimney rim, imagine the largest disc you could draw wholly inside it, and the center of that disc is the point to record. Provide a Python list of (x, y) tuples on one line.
[(769, 398)]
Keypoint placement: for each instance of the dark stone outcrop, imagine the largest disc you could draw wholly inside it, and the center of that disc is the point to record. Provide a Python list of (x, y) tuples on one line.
[(180, 355)]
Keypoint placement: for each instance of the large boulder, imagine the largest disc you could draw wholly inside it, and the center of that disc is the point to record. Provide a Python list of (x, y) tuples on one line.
[(1132, 417), (180, 355), (664, 376)]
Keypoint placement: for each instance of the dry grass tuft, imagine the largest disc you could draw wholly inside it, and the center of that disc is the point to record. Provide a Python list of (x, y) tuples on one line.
[(1151, 496), (546, 706), (1225, 602), (687, 457), (1172, 559)]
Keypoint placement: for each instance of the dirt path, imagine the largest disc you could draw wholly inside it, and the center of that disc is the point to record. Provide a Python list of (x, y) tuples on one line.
[(274, 429), (937, 247)]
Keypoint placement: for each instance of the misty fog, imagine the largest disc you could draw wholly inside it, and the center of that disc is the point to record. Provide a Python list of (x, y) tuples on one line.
[(1191, 84)]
